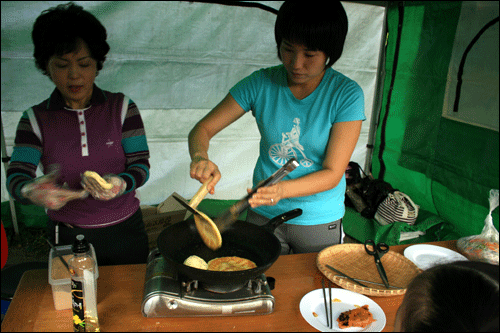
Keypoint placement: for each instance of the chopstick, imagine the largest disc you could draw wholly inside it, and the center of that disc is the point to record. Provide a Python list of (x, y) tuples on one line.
[(376, 283), (358, 281), (330, 301), (324, 299), (348, 277), (328, 315)]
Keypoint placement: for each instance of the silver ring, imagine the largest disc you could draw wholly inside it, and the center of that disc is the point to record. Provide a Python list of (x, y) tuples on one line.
[(272, 200)]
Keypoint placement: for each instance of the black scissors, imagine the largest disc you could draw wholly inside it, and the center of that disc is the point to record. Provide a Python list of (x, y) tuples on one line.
[(377, 251)]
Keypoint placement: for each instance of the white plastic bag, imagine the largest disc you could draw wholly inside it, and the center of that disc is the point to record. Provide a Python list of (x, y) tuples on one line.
[(483, 247)]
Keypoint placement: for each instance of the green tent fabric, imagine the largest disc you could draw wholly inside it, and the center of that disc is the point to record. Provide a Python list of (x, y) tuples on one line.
[(446, 167), (429, 228), (215, 207), (28, 215)]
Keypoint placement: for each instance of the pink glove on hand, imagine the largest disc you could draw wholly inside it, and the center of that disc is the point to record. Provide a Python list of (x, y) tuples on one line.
[(45, 192)]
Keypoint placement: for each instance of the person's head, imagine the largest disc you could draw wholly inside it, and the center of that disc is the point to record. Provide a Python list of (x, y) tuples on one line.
[(316, 26), (455, 297), (70, 48)]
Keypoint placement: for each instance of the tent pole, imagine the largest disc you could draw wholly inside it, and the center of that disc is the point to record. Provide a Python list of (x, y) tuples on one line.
[(378, 96), (5, 161)]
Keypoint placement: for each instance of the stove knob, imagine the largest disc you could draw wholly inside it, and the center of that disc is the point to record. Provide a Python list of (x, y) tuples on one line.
[(172, 304)]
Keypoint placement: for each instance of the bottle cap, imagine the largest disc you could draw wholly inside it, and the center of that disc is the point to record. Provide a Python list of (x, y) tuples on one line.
[(81, 245)]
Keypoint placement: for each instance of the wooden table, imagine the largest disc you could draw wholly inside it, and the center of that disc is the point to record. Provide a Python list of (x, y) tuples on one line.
[(120, 290)]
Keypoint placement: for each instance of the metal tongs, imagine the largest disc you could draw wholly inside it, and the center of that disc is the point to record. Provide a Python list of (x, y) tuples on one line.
[(231, 215)]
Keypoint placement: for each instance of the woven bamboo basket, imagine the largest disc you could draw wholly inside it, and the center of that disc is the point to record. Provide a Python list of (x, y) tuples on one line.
[(353, 260)]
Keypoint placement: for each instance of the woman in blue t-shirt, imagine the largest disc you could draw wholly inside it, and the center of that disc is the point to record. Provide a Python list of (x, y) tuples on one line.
[(303, 109)]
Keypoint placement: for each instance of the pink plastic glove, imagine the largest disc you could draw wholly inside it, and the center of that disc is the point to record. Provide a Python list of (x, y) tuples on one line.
[(44, 191), (99, 192)]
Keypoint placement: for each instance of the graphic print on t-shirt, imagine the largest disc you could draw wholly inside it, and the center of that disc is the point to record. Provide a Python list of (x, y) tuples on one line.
[(280, 153)]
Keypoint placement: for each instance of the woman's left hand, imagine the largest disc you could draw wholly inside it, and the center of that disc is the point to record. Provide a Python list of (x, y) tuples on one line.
[(100, 193), (266, 196)]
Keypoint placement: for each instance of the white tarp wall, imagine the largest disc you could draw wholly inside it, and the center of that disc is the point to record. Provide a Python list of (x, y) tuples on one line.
[(177, 60)]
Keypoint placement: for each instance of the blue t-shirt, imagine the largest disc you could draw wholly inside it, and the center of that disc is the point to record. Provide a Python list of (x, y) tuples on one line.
[(299, 128)]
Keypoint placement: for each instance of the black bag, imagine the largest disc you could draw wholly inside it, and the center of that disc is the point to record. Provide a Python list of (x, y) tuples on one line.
[(353, 174), (364, 193), (373, 192), (352, 178)]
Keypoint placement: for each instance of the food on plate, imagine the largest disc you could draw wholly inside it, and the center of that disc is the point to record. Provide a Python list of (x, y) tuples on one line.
[(315, 314), (336, 300), (99, 179), (196, 262), (229, 264), (358, 317)]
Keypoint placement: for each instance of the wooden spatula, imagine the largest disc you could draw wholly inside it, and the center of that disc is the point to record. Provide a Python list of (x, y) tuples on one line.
[(207, 229)]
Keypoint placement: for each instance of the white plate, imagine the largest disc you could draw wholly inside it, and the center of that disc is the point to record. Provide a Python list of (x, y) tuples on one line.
[(314, 302), (426, 256)]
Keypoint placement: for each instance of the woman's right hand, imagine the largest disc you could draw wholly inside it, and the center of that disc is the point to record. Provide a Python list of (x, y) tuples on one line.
[(202, 169), (45, 192)]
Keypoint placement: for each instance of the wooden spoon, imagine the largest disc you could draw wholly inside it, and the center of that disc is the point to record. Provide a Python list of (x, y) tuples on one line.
[(207, 229)]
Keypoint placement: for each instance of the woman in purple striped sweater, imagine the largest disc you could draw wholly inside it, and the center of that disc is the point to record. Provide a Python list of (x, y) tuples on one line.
[(82, 128)]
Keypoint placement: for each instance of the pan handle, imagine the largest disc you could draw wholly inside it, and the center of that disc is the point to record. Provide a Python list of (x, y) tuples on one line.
[(280, 219)]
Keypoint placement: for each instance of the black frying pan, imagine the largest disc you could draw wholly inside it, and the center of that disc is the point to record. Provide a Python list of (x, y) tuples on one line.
[(242, 239)]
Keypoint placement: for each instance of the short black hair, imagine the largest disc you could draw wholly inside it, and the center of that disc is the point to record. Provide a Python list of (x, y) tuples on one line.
[(316, 26), (456, 297), (57, 30)]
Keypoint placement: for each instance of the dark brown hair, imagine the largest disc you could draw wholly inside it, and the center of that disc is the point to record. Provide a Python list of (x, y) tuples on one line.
[(57, 30), (456, 297), (318, 26)]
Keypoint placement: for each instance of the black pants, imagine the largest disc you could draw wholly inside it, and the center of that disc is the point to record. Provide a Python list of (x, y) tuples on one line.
[(120, 244)]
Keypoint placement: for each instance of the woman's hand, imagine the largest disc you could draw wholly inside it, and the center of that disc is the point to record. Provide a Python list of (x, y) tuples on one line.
[(97, 191), (266, 196), (202, 169), (45, 192)]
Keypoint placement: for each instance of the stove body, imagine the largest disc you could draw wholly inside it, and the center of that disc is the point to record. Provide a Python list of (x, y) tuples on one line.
[(166, 295)]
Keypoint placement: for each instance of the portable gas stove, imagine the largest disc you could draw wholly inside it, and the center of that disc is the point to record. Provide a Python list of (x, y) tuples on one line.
[(166, 295)]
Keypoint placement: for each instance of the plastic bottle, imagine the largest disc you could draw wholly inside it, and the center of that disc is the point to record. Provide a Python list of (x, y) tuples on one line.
[(83, 287)]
